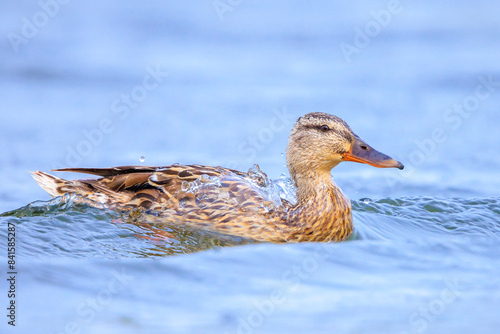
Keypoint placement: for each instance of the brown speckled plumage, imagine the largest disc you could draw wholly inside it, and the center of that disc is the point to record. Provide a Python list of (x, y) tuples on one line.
[(229, 201)]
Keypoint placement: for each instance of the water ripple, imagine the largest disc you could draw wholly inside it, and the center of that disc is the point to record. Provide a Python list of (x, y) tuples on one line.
[(431, 217), (62, 227)]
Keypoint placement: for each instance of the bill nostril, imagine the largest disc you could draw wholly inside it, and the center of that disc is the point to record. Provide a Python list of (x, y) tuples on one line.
[(364, 147)]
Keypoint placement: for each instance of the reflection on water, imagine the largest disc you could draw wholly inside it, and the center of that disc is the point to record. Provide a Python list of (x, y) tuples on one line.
[(82, 230), (79, 230)]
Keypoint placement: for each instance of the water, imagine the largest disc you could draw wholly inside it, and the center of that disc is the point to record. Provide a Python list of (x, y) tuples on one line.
[(412, 264), (424, 256)]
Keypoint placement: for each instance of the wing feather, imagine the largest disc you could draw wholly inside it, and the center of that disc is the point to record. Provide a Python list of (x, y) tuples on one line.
[(142, 186)]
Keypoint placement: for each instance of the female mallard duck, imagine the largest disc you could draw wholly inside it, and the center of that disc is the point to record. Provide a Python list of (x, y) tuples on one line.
[(236, 203)]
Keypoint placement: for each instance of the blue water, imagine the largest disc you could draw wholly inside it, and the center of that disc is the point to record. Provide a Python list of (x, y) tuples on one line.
[(227, 87)]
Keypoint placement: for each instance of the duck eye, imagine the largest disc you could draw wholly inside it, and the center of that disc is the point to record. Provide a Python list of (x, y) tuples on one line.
[(325, 128)]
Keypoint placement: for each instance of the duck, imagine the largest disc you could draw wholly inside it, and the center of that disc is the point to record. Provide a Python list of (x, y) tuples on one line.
[(234, 203)]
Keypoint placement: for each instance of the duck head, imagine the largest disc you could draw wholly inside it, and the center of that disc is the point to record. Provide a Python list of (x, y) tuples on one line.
[(319, 141)]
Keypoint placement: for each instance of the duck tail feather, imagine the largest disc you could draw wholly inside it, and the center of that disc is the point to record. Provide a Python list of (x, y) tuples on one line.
[(49, 183)]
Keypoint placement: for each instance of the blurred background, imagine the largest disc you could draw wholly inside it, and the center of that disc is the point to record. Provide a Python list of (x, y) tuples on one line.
[(221, 82), (231, 77)]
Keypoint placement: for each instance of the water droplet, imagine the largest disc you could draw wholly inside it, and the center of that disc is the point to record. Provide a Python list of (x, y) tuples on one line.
[(268, 206), (185, 186), (367, 201), (142, 159), (282, 154)]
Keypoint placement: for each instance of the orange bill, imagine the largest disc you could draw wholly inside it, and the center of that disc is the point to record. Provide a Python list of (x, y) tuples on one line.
[(365, 154)]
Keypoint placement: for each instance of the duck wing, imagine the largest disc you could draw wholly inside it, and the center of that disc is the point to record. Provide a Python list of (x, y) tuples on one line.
[(184, 171), (214, 198), (136, 186)]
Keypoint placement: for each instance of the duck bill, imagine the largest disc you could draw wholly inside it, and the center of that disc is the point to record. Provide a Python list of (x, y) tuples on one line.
[(365, 154)]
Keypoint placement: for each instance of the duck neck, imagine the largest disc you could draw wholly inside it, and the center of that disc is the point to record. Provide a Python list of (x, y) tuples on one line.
[(315, 185), (322, 209)]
